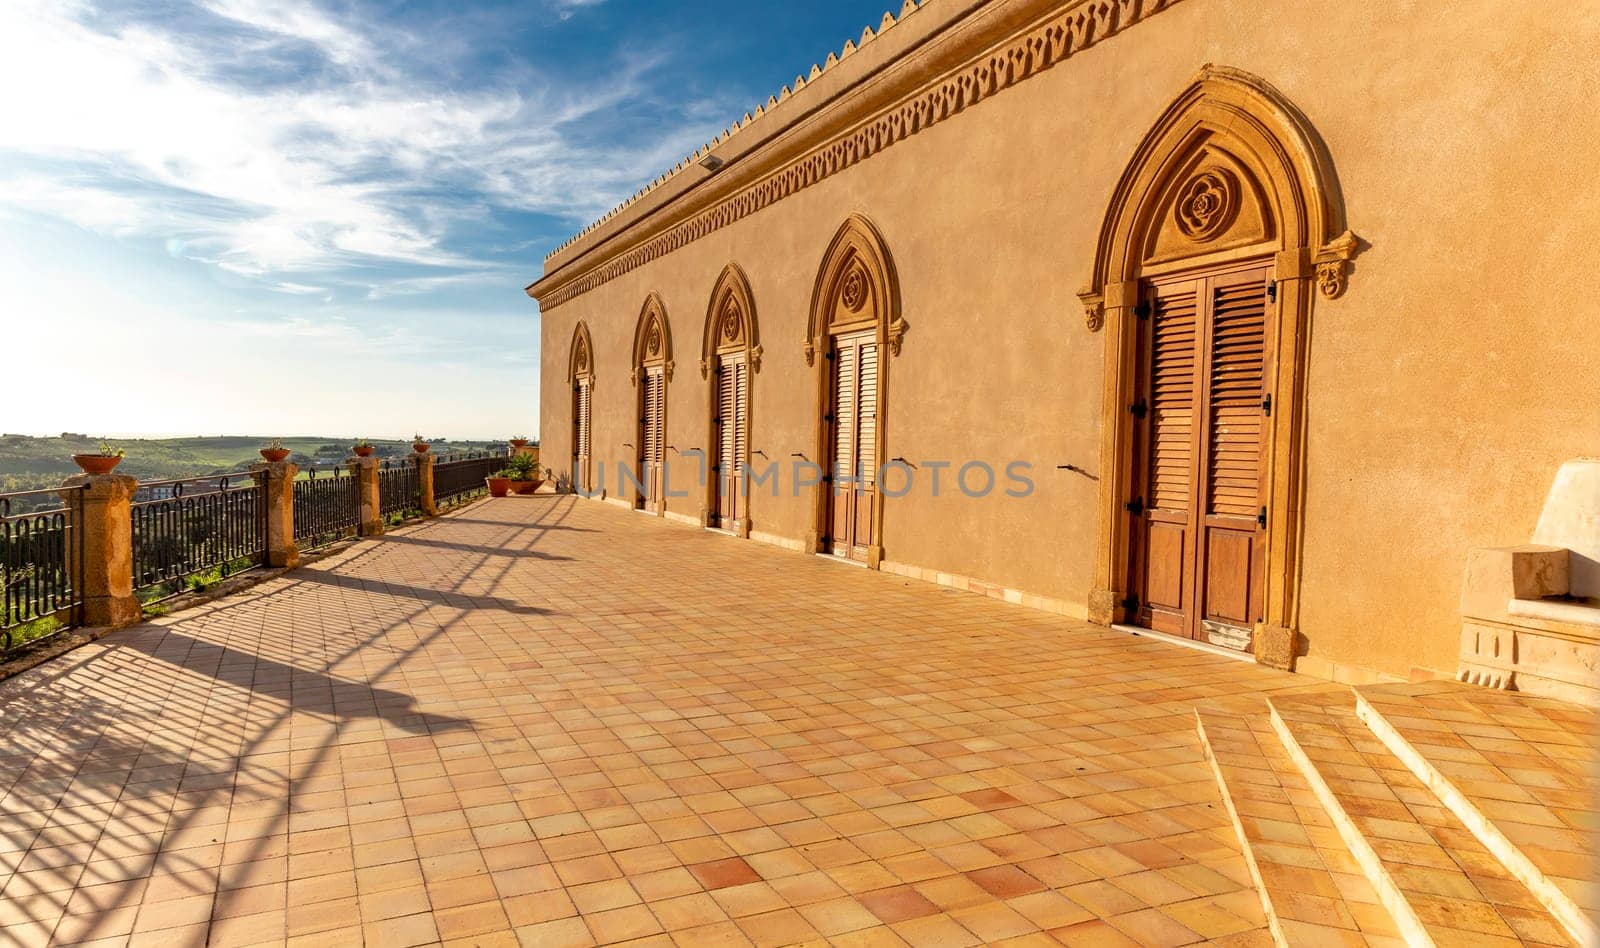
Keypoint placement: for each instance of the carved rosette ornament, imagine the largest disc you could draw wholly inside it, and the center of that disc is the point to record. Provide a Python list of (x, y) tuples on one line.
[(1207, 204), (730, 322), (652, 341), (582, 358), (853, 292)]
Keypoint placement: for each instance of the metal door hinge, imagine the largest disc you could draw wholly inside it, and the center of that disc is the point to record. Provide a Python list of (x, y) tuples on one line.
[(1266, 405), (1139, 409), (1134, 506), (1142, 309), (1261, 518), (1131, 603)]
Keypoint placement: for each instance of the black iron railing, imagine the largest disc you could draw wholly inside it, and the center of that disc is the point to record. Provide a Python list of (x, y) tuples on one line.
[(327, 506), (41, 564), (458, 477), (190, 532), (398, 490)]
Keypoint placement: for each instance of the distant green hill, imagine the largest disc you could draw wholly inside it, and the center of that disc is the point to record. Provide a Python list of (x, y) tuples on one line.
[(28, 463)]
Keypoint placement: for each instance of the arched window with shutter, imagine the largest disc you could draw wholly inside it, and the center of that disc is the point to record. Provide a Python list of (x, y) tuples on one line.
[(580, 375), (855, 323), (730, 355), (1223, 230), (652, 370)]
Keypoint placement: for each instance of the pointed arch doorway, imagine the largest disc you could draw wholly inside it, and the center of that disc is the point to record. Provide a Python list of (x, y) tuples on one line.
[(855, 325), (652, 370), (1221, 231), (730, 355), (580, 375)]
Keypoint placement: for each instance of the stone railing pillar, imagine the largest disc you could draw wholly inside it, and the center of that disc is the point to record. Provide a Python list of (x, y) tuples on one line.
[(424, 462), (365, 471), (277, 494), (105, 530)]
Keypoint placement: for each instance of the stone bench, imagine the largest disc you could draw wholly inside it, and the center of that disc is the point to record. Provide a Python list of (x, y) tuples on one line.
[(1530, 614)]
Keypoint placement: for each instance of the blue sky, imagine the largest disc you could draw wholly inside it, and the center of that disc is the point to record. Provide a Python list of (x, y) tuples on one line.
[(283, 217)]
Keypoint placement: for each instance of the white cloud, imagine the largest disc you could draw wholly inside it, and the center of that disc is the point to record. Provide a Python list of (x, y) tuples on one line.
[(129, 132)]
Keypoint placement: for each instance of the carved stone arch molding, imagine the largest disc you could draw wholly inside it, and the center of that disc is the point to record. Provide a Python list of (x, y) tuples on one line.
[(730, 321), (580, 358), (1230, 171), (652, 339), (856, 287), (856, 290)]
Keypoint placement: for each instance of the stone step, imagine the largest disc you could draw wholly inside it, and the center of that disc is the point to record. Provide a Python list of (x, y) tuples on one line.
[(1312, 890), (1439, 883), (1521, 772)]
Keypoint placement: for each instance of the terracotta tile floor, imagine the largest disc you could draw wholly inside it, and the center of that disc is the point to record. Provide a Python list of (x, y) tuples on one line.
[(1526, 765), (550, 721), (1459, 892), (1316, 886)]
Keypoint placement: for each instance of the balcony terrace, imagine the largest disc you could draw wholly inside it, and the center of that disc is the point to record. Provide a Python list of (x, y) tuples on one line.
[(549, 721)]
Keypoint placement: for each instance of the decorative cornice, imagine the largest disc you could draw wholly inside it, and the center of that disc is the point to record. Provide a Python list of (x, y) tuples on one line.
[(1022, 57)]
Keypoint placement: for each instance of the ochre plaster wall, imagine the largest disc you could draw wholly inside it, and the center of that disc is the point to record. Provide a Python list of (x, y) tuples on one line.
[(1445, 387)]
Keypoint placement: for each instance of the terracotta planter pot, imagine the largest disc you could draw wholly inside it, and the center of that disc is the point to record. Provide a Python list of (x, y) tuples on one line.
[(365, 452), (519, 442), (96, 463), (525, 487), (498, 486), (419, 448), (274, 454)]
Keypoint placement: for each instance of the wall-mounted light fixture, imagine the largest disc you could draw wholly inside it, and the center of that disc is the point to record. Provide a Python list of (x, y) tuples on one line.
[(711, 162)]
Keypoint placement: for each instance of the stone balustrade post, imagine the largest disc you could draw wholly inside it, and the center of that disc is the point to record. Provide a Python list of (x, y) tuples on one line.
[(365, 471), (276, 480), (104, 529), (425, 501)]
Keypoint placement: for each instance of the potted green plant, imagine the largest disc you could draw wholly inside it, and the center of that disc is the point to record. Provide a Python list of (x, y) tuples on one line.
[(363, 448), (101, 462), (274, 451), (418, 444), (524, 472), (499, 483), (519, 441)]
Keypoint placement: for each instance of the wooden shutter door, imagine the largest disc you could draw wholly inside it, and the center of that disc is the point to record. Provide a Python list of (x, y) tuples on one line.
[(866, 485), (727, 433), (1163, 535), (1231, 544), (580, 437), (741, 438), (1197, 541), (842, 517), (650, 441)]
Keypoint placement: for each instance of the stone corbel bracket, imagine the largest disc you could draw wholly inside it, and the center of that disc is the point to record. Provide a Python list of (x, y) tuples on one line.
[(1333, 263), (1094, 309)]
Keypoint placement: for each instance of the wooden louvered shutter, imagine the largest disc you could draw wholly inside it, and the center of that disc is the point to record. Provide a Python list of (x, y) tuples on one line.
[(1235, 380), (1170, 398), (844, 439), (866, 446), (727, 435), (650, 434), (580, 437), (1197, 549)]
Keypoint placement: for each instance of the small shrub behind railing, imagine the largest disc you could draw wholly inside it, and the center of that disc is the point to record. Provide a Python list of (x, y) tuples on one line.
[(41, 561), (193, 532), (327, 506)]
